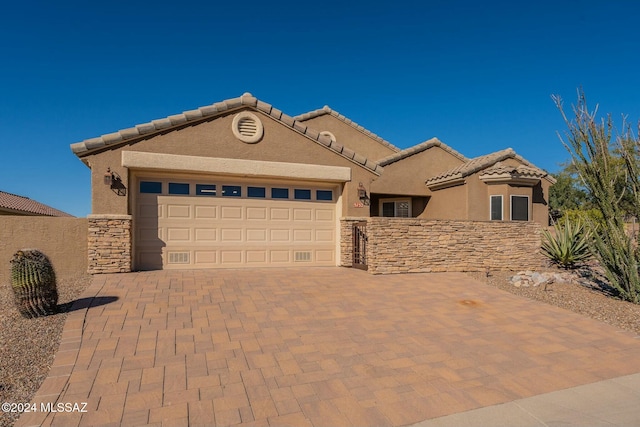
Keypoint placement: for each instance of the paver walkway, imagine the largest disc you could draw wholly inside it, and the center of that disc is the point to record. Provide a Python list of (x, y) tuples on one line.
[(314, 347)]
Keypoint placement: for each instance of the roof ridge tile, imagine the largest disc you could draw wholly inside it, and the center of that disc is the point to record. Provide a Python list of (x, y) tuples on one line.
[(327, 110), (161, 124)]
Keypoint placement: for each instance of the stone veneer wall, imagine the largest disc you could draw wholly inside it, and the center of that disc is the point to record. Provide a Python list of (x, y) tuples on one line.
[(109, 244), (346, 240), (407, 245)]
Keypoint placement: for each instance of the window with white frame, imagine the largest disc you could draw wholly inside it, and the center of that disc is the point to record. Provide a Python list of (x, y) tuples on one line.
[(496, 208), (399, 208), (519, 208)]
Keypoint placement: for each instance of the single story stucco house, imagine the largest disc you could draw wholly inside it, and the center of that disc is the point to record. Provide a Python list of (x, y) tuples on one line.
[(239, 184)]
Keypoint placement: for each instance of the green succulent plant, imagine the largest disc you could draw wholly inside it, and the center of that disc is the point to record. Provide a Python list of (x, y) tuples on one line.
[(568, 246), (34, 283)]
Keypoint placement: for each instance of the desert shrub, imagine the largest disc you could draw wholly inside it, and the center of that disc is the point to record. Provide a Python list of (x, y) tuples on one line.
[(568, 246)]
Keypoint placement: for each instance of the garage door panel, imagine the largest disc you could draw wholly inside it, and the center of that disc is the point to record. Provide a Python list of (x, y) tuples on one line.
[(279, 214), (231, 235), (256, 257), (149, 211), (256, 235), (280, 235), (302, 214), (206, 212), (149, 234), (178, 211), (324, 256), (324, 215), (279, 256), (205, 258), (256, 213), (302, 235), (324, 235), (231, 212), (230, 257), (205, 234), (178, 235)]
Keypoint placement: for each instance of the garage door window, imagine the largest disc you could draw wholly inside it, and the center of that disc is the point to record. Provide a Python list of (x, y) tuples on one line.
[(205, 190), (279, 193), (178, 188), (258, 192), (324, 195), (300, 194), (151, 187), (231, 191)]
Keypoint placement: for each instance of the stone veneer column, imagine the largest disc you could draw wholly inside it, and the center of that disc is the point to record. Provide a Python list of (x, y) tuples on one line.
[(109, 244), (346, 240)]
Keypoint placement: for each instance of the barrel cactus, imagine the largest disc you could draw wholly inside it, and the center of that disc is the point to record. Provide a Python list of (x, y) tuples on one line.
[(34, 283)]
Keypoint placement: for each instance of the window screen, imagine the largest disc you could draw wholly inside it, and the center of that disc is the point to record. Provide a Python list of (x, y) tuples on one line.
[(388, 209), (519, 208), (496, 208)]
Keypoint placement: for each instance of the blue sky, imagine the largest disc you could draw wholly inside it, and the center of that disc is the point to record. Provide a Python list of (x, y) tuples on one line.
[(477, 75)]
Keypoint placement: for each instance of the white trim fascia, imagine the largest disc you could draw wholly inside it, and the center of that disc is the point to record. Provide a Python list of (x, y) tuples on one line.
[(222, 166)]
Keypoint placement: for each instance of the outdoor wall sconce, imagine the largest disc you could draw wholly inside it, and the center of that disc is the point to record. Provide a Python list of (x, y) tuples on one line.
[(113, 180), (362, 194), (108, 177)]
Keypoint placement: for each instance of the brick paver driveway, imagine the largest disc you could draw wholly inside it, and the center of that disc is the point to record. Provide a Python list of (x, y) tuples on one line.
[(315, 347)]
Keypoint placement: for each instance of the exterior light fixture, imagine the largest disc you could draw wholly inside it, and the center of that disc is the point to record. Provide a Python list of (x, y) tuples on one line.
[(362, 194), (108, 177)]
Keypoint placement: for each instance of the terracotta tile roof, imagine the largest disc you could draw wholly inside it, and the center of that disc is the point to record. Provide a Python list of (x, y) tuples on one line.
[(154, 127), (500, 169), (327, 110), (433, 142), (483, 162), (21, 205)]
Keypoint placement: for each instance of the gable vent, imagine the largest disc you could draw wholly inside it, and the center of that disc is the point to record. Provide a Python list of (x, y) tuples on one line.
[(247, 127), (178, 257), (300, 256)]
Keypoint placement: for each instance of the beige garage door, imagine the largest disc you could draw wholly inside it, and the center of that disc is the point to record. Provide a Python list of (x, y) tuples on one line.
[(226, 225)]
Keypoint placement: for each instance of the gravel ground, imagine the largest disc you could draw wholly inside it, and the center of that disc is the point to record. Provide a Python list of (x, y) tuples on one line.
[(28, 346), (588, 295)]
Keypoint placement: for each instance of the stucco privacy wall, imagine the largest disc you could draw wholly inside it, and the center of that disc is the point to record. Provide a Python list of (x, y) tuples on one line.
[(63, 240), (406, 245)]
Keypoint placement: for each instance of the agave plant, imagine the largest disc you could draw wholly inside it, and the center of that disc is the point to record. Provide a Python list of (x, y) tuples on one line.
[(34, 283), (568, 246)]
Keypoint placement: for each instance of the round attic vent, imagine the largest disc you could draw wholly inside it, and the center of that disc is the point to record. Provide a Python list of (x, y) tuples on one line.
[(328, 134), (247, 127)]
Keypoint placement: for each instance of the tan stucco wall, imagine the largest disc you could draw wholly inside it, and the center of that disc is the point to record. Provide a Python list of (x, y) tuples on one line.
[(63, 240), (215, 139), (350, 137), (407, 176), (448, 203)]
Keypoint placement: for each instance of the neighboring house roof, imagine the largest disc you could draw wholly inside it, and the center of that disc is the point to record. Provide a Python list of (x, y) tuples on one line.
[(457, 174), (327, 110), (14, 204), (154, 127), (433, 142)]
